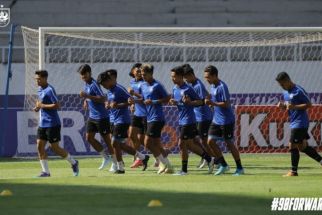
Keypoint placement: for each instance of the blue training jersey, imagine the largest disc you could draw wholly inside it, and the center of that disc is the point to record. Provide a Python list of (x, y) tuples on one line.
[(203, 113), (119, 94), (139, 108), (220, 93), (97, 110), (153, 91), (48, 118), (186, 112), (298, 118)]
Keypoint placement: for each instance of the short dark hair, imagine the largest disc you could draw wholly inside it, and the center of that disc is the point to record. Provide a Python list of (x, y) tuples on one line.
[(83, 69), (104, 76), (178, 70), (212, 70), (282, 76), (187, 69), (42, 73), (136, 65), (148, 68), (112, 72)]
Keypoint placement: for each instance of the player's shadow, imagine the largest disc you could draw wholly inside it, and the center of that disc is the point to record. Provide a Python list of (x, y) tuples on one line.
[(40, 197)]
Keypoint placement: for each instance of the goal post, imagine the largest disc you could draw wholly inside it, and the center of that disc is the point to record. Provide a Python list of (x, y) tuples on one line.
[(248, 60)]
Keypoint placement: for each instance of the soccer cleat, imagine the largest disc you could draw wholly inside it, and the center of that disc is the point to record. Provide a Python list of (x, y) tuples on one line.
[(239, 172), (203, 164), (75, 168), (43, 175), (180, 173), (145, 162), (113, 168), (290, 173), (211, 166), (119, 171), (137, 163), (222, 170), (162, 168), (105, 162)]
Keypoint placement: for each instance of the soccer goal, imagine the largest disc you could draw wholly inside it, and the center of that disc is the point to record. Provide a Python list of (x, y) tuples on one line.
[(248, 60)]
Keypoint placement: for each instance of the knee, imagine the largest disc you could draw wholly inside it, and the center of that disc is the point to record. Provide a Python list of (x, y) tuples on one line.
[(89, 137)]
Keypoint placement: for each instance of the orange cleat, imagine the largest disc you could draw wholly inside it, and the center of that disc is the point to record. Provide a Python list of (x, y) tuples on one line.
[(290, 173), (137, 163)]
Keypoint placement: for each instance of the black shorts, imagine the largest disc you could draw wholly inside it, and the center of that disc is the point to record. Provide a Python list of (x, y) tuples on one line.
[(224, 131), (203, 128), (188, 131), (52, 134), (139, 122), (154, 129), (120, 130), (298, 135), (102, 126)]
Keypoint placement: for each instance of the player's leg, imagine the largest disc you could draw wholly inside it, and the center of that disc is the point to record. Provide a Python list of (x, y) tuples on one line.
[(104, 130), (153, 143), (134, 131), (229, 140), (215, 134), (308, 150), (116, 143), (295, 158), (53, 135), (183, 145), (41, 144)]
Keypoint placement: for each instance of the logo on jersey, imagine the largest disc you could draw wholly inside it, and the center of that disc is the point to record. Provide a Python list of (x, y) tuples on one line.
[(4, 16)]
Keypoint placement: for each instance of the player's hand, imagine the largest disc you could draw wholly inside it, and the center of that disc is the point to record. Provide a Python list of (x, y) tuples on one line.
[(113, 105), (38, 105), (131, 91), (36, 109), (82, 94), (289, 106), (281, 105), (208, 102), (130, 101), (186, 100), (173, 102), (107, 105), (147, 102), (132, 108), (85, 105)]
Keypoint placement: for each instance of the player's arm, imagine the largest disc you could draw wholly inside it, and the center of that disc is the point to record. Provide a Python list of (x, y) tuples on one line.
[(192, 98), (98, 98), (53, 106), (299, 106), (133, 93)]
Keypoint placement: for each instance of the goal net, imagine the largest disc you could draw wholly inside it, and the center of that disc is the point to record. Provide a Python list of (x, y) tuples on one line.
[(248, 60)]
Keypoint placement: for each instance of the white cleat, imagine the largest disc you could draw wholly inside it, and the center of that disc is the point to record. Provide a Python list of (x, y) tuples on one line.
[(180, 173), (211, 166), (105, 162), (113, 168), (203, 164)]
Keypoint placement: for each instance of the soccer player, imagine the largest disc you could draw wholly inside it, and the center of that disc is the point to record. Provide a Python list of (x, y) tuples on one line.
[(203, 112), (98, 120), (49, 124), (186, 99), (138, 119), (118, 99), (223, 122), (296, 102), (154, 95)]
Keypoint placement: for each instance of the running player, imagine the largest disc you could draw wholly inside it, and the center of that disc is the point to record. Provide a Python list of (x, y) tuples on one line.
[(203, 112), (186, 99), (98, 120), (223, 122), (49, 124), (296, 102), (154, 95), (138, 119), (118, 100)]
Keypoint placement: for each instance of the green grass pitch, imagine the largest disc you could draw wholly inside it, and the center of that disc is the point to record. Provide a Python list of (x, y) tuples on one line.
[(100, 192)]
